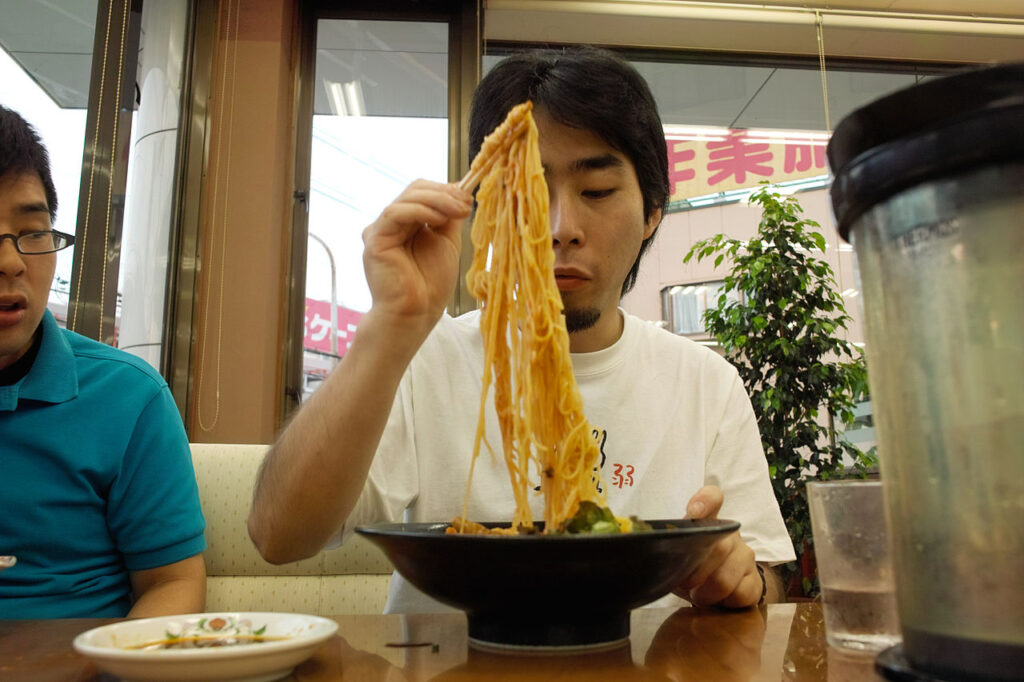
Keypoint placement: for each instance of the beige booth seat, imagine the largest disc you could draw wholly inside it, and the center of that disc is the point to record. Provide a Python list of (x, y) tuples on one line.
[(351, 579)]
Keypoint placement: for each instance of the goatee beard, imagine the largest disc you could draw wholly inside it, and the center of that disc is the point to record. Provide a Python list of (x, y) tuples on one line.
[(579, 319)]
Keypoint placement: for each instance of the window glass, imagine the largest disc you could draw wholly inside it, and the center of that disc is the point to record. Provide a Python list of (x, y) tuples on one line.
[(683, 306), (45, 64), (379, 122), (731, 127)]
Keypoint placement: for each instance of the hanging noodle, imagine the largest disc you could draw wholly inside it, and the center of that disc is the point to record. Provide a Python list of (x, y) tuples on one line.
[(526, 347)]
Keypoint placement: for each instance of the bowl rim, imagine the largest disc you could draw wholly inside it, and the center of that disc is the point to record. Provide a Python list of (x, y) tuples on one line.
[(434, 530)]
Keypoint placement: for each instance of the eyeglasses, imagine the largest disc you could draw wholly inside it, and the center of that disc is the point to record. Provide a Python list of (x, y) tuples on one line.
[(35, 243)]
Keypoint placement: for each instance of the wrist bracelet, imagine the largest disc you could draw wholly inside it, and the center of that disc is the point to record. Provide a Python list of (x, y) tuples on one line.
[(764, 583)]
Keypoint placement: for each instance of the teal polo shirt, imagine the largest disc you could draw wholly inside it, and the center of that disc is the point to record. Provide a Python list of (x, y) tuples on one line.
[(96, 480)]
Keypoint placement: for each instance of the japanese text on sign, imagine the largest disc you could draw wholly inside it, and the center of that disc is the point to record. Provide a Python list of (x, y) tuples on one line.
[(701, 165), (317, 333)]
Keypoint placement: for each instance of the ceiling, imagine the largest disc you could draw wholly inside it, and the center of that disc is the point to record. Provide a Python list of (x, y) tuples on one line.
[(401, 67), (986, 8)]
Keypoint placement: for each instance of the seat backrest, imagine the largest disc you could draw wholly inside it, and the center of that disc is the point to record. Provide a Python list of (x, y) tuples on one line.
[(351, 579)]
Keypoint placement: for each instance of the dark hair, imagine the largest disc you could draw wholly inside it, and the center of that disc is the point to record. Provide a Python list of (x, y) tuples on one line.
[(587, 88), (22, 151)]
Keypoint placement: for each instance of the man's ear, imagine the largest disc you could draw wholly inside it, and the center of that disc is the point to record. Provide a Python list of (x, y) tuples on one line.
[(652, 223)]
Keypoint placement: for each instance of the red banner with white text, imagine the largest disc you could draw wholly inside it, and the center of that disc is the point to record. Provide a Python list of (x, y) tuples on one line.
[(318, 327)]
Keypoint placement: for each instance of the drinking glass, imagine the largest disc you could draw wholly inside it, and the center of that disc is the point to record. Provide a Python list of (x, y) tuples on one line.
[(851, 548)]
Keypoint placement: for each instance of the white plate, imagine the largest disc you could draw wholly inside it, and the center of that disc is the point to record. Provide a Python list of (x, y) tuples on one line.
[(109, 647)]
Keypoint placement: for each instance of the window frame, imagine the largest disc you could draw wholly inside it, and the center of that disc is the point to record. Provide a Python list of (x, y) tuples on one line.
[(465, 39)]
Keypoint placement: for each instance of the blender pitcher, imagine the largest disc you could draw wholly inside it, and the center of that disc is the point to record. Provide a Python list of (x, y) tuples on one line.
[(929, 189)]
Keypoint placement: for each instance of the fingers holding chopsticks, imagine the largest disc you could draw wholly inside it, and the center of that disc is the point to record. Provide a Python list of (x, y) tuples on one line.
[(421, 203), (411, 252)]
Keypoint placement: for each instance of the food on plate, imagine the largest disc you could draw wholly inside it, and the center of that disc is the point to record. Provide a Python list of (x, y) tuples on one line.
[(219, 631)]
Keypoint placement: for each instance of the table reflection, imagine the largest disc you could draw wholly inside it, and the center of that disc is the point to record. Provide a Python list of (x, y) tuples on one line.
[(851, 666), (564, 667), (781, 642), (697, 644), (665, 646)]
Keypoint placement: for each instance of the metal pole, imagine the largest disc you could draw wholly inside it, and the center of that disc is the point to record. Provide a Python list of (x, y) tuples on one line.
[(334, 296)]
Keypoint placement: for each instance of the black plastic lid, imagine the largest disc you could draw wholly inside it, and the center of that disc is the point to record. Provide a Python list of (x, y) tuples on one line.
[(925, 131)]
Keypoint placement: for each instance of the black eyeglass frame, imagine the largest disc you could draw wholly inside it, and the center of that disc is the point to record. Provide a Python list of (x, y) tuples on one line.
[(68, 240)]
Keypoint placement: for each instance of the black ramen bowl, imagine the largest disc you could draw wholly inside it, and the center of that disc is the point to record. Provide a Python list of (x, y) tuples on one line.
[(540, 591)]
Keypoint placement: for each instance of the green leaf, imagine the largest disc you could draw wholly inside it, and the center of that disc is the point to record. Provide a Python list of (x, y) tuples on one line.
[(591, 518), (784, 339)]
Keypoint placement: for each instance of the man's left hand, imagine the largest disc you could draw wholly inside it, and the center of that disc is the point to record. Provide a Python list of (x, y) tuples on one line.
[(728, 576)]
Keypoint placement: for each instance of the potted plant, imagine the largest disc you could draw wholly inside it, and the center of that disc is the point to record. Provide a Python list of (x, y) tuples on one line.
[(784, 336)]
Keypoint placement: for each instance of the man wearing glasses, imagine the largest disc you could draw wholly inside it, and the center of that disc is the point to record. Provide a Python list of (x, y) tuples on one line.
[(100, 506)]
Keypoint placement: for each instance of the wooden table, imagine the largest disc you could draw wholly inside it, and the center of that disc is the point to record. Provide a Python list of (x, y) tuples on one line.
[(780, 642)]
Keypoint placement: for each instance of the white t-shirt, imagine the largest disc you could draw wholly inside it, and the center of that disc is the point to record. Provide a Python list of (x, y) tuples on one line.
[(669, 415)]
